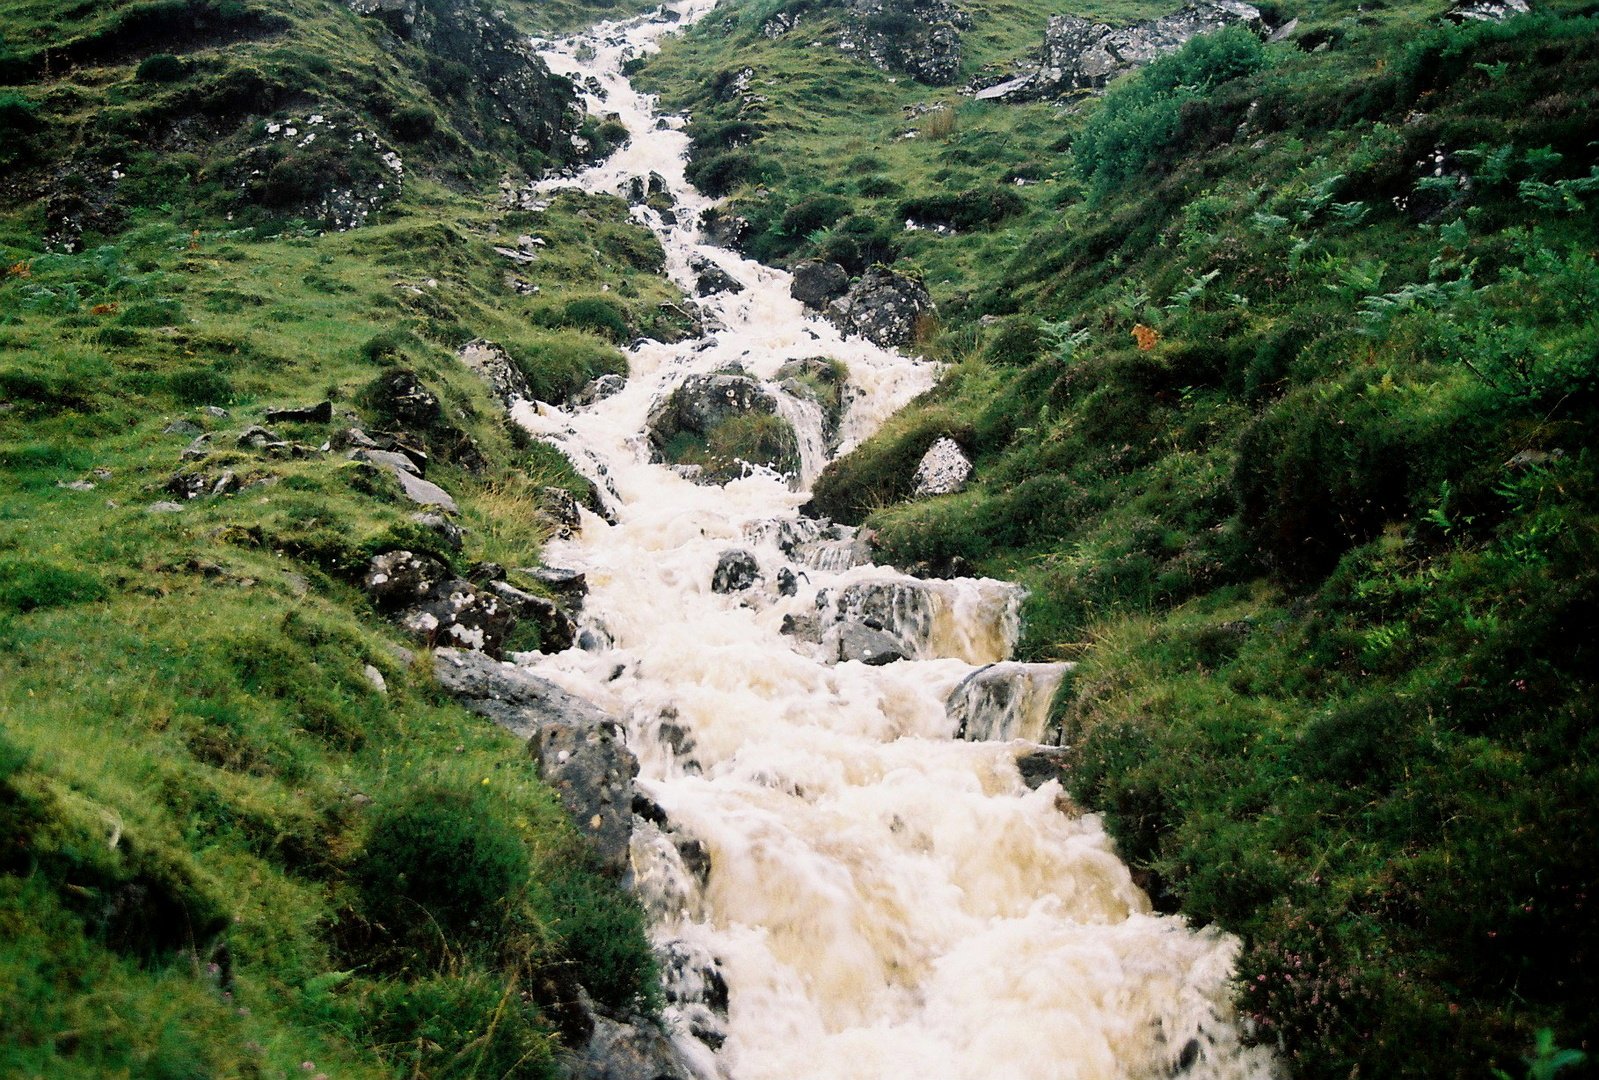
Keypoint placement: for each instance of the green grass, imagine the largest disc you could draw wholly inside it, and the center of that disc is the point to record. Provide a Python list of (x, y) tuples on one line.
[(199, 779), (1321, 531)]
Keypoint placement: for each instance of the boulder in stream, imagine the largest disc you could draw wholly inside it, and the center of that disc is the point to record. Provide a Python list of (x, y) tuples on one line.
[(722, 423), (816, 283), (736, 570)]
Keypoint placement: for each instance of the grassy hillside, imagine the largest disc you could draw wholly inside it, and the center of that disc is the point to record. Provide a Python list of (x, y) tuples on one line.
[(242, 832), (1278, 364)]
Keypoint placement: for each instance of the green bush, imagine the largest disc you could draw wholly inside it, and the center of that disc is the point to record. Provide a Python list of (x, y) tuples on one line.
[(200, 386), (602, 316), (161, 68), (31, 586), (817, 212), (1138, 118), (601, 930), (968, 210), (414, 123), (441, 870)]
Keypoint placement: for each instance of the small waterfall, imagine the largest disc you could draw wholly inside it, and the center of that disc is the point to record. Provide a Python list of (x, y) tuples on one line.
[(838, 888)]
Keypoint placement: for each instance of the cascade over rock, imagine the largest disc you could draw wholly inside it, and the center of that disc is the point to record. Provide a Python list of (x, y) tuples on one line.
[(837, 885)]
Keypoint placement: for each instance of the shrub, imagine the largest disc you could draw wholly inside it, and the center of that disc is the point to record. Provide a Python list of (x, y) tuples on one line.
[(414, 124), (19, 122), (1139, 117), (601, 930), (818, 212), (161, 68), (603, 317), (441, 869), (968, 210), (200, 386), (30, 586), (1014, 342)]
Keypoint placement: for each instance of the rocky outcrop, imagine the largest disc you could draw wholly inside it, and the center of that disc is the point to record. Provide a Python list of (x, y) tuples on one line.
[(478, 612), (578, 746), (326, 166), (883, 307), (943, 470), (817, 284), (919, 38), (509, 83), (1080, 55), (494, 366), (598, 390), (1486, 10), (639, 1050)]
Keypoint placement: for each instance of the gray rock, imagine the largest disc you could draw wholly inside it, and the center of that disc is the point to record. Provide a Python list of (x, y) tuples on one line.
[(639, 1050), (256, 437), (817, 283), (787, 583), (399, 579), (494, 365), (578, 746), (598, 390), (557, 630), (711, 279), (424, 492), (389, 459), (163, 508), (215, 412), (803, 627), (375, 678), (943, 470), (726, 230), (182, 427), (320, 413), (199, 448), (703, 403), (400, 396), (1486, 10), (460, 615), (446, 530), (1041, 764), (919, 38), (883, 307), (512, 697), (855, 641), (1080, 55), (570, 587), (736, 570)]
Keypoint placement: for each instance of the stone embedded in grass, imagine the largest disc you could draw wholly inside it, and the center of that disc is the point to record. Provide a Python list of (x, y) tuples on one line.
[(883, 307), (944, 470), (320, 413), (495, 366)]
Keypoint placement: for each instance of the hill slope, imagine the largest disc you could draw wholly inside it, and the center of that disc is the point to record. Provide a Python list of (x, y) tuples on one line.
[(242, 831), (1278, 367)]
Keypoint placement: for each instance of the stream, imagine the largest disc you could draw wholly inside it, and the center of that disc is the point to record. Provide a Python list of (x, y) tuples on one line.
[(846, 872)]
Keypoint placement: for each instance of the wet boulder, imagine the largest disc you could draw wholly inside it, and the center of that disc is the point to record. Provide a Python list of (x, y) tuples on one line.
[(721, 229), (872, 647), (637, 1050), (943, 470), (736, 570), (883, 307), (816, 283), (822, 381), (598, 390), (711, 279), (556, 628), (722, 424), (559, 511), (569, 587), (1005, 701)]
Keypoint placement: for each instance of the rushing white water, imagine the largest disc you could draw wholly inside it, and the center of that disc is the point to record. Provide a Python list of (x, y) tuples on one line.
[(839, 888)]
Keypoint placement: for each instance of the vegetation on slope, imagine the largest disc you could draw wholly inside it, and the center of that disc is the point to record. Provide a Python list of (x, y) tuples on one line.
[(1281, 386), (242, 832)]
